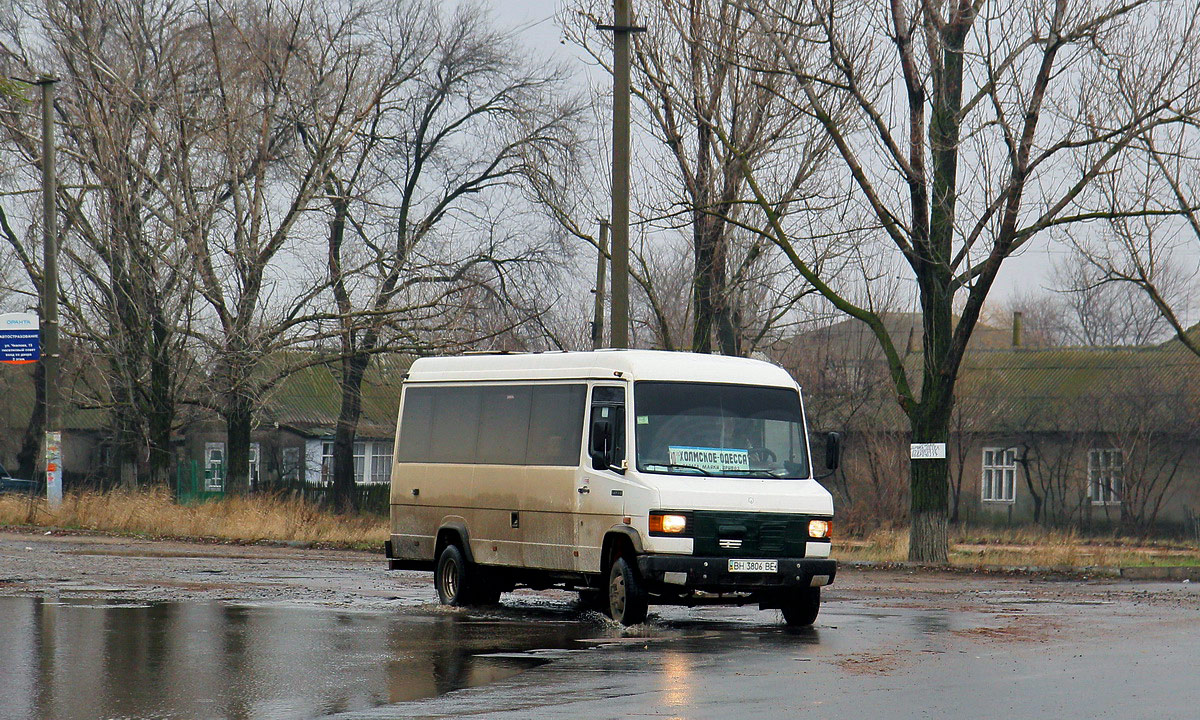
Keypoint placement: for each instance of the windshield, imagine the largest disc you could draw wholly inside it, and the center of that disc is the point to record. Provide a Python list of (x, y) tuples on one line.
[(719, 430)]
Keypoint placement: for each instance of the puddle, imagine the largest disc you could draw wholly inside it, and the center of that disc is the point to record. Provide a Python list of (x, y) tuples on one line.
[(96, 659)]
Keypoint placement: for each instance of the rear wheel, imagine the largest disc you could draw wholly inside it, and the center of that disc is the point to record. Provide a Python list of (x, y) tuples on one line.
[(627, 599), (800, 607)]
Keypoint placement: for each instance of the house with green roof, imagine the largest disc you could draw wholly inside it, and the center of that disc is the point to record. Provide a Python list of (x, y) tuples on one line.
[(292, 439), (1069, 437)]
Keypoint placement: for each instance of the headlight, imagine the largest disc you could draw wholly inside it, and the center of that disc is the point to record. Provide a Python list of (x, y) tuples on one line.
[(668, 523), (820, 528)]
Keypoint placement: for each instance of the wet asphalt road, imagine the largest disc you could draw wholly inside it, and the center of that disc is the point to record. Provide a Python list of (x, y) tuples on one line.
[(105, 628)]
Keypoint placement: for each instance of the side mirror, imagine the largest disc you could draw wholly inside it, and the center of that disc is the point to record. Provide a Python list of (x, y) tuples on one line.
[(833, 451), (600, 448)]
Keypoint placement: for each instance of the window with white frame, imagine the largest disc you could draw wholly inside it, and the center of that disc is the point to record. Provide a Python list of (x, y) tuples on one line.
[(381, 463), (360, 460), (372, 462), (999, 474), (327, 461), (1106, 476)]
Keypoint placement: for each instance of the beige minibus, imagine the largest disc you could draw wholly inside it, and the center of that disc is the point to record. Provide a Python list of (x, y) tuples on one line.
[(634, 477)]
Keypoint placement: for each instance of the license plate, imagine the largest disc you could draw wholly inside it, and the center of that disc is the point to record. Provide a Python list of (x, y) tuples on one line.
[(755, 566)]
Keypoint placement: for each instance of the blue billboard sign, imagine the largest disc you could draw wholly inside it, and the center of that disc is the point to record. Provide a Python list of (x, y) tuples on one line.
[(20, 340)]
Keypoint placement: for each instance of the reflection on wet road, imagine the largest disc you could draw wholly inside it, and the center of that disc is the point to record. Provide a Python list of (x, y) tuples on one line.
[(95, 659), (166, 630)]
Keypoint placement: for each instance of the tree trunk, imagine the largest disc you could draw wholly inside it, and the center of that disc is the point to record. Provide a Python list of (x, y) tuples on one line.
[(928, 540), (709, 306), (238, 418), (702, 290), (161, 413), (930, 423), (353, 369)]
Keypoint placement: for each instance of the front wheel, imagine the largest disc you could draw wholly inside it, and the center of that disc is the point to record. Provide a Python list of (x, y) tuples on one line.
[(801, 607), (627, 599)]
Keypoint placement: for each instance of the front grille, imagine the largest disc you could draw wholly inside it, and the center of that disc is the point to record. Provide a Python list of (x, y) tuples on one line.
[(773, 537), (749, 534)]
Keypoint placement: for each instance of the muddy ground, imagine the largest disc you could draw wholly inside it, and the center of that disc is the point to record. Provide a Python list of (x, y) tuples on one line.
[(291, 632)]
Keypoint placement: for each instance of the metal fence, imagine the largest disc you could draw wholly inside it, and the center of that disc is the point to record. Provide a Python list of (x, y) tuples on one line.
[(196, 482)]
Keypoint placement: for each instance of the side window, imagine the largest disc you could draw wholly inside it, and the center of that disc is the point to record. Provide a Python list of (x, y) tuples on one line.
[(439, 425), (415, 425), (504, 425), (608, 403), (455, 425), (495, 425), (555, 424)]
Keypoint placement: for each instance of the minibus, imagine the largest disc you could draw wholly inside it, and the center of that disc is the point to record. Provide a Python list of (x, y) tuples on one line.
[(634, 477)]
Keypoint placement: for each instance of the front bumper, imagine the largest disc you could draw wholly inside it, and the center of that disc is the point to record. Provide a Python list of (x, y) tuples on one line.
[(677, 574)]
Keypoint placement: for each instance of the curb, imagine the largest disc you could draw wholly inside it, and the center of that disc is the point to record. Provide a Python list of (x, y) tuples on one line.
[(1186, 573), (1061, 571)]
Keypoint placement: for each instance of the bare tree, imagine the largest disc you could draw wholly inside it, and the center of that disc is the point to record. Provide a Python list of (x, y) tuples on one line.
[(1008, 114), (124, 292), (429, 245), (1104, 313), (1156, 434), (1087, 307), (288, 88), (1150, 244)]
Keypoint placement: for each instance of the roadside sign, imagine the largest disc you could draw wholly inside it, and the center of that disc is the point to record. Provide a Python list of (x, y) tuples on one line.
[(20, 341), (54, 488), (928, 451)]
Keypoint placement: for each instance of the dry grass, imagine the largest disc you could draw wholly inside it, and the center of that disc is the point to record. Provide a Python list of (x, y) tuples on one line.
[(263, 518), (155, 513), (1025, 547)]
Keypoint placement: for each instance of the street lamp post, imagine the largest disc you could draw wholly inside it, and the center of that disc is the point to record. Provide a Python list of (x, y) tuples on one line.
[(622, 28)]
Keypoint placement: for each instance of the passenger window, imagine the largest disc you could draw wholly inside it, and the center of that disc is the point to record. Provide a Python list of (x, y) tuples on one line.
[(555, 417), (455, 425), (504, 425), (608, 403), (493, 424), (415, 425)]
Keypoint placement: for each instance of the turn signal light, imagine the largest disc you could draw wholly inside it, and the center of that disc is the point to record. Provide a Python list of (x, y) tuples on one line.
[(672, 524), (820, 528)]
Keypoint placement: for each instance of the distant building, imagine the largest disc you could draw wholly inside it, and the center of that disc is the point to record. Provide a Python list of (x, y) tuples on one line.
[(292, 440), (1067, 437)]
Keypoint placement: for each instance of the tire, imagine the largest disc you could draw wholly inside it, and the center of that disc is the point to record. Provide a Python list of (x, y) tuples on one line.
[(801, 607), (459, 583), (627, 599), (450, 577)]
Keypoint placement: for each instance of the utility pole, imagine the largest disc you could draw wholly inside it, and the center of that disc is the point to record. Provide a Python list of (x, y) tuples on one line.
[(622, 28), (601, 263), (50, 355)]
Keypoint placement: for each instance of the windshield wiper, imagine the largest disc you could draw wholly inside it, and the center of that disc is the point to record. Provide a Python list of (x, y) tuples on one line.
[(673, 466), (754, 471)]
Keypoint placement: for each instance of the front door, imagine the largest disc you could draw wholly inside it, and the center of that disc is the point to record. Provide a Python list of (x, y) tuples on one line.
[(600, 495)]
